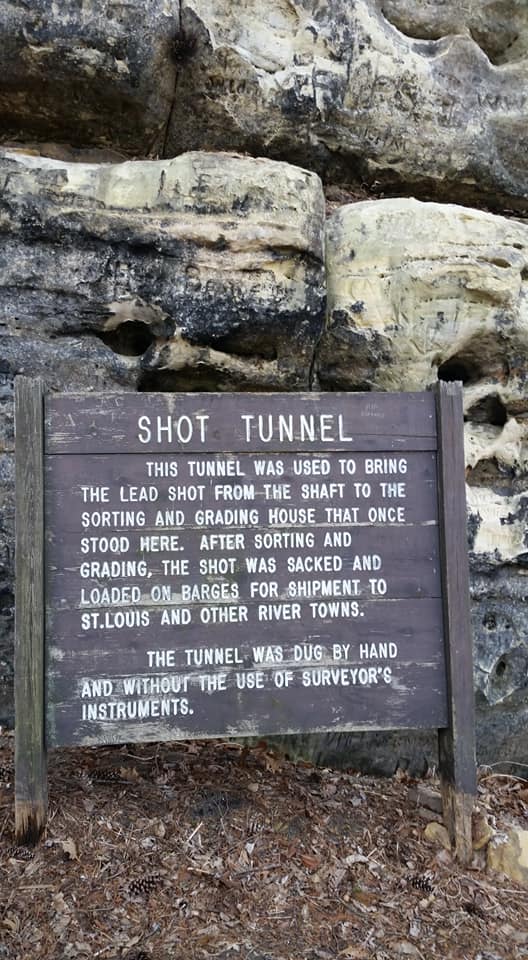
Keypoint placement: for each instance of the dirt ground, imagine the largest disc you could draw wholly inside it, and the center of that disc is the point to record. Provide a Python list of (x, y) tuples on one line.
[(190, 851)]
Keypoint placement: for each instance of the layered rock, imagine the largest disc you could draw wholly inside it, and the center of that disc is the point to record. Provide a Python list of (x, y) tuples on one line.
[(206, 272), (341, 88), (203, 272), (500, 27), (99, 74), (403, 95), (420, 291)]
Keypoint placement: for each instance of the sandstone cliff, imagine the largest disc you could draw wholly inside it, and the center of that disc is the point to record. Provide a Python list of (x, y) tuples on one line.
[(163, 228)]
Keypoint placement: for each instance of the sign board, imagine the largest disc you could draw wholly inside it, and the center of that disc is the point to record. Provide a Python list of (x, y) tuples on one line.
[(242, 564)]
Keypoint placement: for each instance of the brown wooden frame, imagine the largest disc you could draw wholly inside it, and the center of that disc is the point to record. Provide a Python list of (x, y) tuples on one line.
[(456, 742), (30, 749)]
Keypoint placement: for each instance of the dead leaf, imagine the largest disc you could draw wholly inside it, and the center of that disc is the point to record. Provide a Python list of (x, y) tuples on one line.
[(12, 924), (355, 858), (69, 848), (402, 948), (364, 896), (59, 903), (129, 773), (354, 953), (309, 861)]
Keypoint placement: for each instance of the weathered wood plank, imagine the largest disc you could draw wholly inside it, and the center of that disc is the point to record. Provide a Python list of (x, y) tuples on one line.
[(30, 749), (456, 742), (289, 702), (188, 423), (76, 574), (411, 693), (109, 489), (209, 495)]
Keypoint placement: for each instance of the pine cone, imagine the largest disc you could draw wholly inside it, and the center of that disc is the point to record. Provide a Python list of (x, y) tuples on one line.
[(421, 882), (20, 853), (145, 885), (106, 776)]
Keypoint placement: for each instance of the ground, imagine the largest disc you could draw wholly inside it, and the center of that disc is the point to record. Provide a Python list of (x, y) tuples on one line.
[(190, 851)]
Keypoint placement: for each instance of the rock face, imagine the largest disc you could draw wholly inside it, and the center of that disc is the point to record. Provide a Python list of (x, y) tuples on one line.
[(99, 74), (207, 267), (399, 94), (342, 88), (203, 272), (500, 27), (418, 291), (206, 271)]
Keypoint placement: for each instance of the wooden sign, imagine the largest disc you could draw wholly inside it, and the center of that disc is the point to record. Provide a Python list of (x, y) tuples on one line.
[(203, 565)]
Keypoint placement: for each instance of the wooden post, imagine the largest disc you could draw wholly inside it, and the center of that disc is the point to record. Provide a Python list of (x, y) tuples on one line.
[(456, 743), (30, 751)]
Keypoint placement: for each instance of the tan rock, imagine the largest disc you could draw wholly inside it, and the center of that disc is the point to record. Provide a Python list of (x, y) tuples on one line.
[(500, 27), (418, 291), (421, 290), (436, 833), (353, 88), (482, 831), (207, 269), (417, 287), (508, 854)]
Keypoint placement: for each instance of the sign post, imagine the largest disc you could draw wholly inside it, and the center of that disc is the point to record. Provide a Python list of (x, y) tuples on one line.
[(239, 565), (30, 750), (456, 742)]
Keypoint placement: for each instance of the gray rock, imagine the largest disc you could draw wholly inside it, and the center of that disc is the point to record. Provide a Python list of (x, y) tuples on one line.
[(88, 74), (403, 95), (418, 291), (341, 88), (203, 272)]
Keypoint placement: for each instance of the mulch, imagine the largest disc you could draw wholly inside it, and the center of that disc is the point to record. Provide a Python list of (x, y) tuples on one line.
[(209, 849)]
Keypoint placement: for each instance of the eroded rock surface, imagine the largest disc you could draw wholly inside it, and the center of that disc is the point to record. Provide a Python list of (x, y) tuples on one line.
[(203, 272), (403, 95), (500, 27), (91, 73), (418, 291), (340, 87)]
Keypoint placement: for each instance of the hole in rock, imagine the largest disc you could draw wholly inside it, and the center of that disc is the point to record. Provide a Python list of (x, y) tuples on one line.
[(501, 262), (257, 350), (490, 621), (457, 368), (489, 473), (500, 669), (488, 410), (131, 338), (7, 600)]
